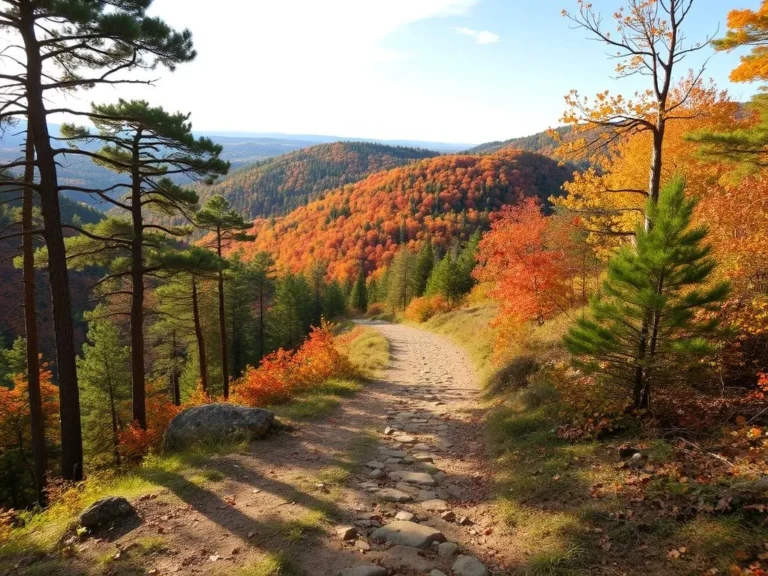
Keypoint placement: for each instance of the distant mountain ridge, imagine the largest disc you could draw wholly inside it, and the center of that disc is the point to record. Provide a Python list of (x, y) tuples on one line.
[(541, 143), (278, 185)]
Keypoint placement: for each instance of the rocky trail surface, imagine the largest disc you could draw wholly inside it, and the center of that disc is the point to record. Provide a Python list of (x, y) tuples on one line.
[(394, 482)]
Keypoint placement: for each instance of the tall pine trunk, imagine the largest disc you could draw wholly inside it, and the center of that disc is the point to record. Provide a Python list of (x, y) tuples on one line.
[(222, 324), (138, 386), (66, 368), (200, 339), (175, 386), (30, 325)]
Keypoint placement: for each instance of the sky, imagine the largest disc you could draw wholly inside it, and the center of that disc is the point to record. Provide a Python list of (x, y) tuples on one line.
[(465, 71)]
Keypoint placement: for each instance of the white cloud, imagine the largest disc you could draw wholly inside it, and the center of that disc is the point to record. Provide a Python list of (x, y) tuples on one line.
[(480, 36)]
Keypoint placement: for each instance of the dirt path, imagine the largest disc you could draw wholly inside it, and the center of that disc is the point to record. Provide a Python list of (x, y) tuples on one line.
[(409, 443)]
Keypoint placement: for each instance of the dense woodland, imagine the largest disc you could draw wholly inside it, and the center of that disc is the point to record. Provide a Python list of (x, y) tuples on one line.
[(641, 223)]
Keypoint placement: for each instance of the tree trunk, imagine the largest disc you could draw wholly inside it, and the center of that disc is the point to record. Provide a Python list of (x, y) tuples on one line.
[(654, 182), (113, 413), (66, 368), (222, 324), (175, 388), (138, 386), (200, 339), (261, 321), (640, 388), (237, 345), (30, 324)]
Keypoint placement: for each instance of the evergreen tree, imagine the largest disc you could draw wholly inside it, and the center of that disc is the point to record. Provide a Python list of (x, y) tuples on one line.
[(104, 369), (359, 297), (227, 225), (425, 262), (334, 302), (263, 272), (291, 312), (401, 287), (646, 323), (316, 279)]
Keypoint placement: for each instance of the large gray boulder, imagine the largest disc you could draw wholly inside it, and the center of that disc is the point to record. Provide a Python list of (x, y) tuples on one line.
[(105, 511), (216, 423)]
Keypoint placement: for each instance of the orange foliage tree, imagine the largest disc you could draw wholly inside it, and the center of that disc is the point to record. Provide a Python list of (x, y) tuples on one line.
[(748, 28), (135, 442), (527, 269)]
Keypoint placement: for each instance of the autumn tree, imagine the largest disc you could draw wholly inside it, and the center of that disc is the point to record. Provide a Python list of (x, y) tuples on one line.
[(150, 146), (71, 45), (649, 41), (522, 264), (401, 286), (647, 322), (227, 226)]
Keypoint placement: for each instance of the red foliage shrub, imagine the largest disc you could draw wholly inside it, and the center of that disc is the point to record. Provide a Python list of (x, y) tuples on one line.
[(283, 373), (134, 442)]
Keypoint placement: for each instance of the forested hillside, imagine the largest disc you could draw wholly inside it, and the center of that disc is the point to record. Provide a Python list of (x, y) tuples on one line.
[(440, 199), (541, 142), (277, 186)]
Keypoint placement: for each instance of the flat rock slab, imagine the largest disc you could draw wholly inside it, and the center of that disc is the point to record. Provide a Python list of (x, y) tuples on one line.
[(406, 557), (420, 478), (393, 453), (404, 439), (375, 464), (403, 533), (423, 457), (435, 505), (364, 570), (393, 495), (469, 566)]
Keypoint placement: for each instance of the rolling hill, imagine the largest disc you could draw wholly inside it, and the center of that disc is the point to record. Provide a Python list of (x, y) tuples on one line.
[(439, 199), (275, 187), (541, 142)]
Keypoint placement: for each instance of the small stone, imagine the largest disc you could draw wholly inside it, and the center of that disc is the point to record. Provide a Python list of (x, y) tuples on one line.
[(376, 473), (627, 452), (408, 460), (420, 478), (435, 505), (464, 521), (469, 566), (439, 476), (406, 557), (447, 549), (347, 532), (423, 457), (421, 447), (364, 570), (403, 515), (405, 439), (448, 516), (393, 495), (408, 534), (388, 430), (375, 464), (362, 545), (393, 453)]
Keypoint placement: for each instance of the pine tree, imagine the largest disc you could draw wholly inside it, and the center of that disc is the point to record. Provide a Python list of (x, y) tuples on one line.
[(291, 312), (401, 287), (425, 262), (359, 297), (334, 302), (105, 369), (262, 267), (646, 323), (227, 225)]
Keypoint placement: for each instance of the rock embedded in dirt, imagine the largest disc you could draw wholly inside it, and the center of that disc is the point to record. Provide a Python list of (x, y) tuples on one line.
[(626, 452), (464, 521), (375, 464), (447, 549), (393, 495), (105, 511), (448, 516), (216, 423), (469, 566), (423, 457), (404, 439), (362, 545), (408, 534), (406, 557), (347, 532), (393, 453), (364, 570), (376, 473), (420, 478), (403, 515), (435, 505)]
